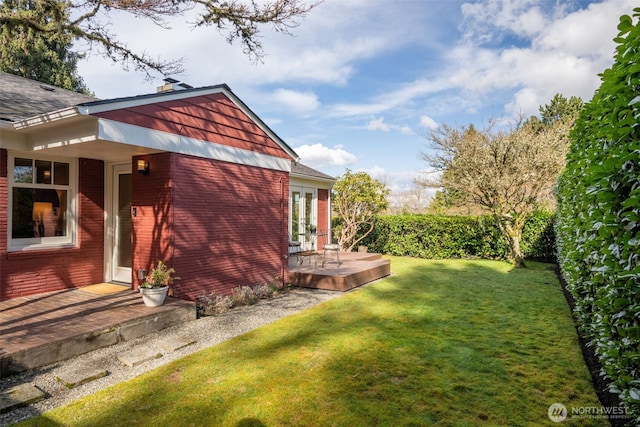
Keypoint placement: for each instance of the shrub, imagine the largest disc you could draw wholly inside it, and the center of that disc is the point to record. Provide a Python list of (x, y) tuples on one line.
[(599, 219), (243, 295), (212, 304), (440, 237)]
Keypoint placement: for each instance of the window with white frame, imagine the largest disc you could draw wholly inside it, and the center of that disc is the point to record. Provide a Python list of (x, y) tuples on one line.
[(41, 202)]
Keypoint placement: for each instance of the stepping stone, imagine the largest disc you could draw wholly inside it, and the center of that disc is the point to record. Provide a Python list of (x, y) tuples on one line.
[(138, 356), (172, 344), (80, 376), (21, 395)]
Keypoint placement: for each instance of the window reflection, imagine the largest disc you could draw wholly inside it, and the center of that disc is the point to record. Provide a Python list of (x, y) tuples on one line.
[(39, 213)]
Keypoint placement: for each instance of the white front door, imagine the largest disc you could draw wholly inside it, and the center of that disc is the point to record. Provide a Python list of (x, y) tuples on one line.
[(121, 224)]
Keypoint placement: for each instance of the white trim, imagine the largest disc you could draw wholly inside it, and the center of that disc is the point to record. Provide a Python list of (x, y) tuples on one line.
[(108, 230), (111, 225), (123, 103), (310, 182), (25, 244), (110, 130), (305, 217)]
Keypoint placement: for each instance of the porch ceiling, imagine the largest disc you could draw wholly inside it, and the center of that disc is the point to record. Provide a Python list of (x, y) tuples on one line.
[(76, 137)]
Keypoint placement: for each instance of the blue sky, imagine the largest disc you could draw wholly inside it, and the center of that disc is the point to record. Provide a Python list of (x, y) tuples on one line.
[(362, 82)]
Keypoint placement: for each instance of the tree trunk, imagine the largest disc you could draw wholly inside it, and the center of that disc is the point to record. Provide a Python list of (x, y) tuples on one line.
[(513, 231), (516, 253)]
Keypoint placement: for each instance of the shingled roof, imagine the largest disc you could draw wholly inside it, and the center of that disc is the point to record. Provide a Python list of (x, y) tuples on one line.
[(21, 98), (303, 170)]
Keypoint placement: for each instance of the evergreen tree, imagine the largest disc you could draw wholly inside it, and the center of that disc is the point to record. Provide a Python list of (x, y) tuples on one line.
[(560, 108), (45, 57)]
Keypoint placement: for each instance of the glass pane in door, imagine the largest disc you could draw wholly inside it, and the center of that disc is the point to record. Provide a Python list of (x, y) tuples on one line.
[(295, 215), (308, 212), (125, 225)]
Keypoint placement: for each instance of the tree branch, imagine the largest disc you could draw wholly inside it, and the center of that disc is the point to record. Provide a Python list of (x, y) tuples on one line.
[(234, 18)]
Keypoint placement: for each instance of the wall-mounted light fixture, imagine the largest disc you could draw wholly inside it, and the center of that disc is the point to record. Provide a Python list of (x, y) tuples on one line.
[(143, 167)]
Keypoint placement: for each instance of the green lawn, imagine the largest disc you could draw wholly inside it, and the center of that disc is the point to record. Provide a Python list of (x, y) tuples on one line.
[(439, 342)]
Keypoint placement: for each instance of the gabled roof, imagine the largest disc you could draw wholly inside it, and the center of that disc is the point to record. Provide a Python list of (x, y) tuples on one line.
[(28, 103), (101, 106), (303, 171), (21, 98)]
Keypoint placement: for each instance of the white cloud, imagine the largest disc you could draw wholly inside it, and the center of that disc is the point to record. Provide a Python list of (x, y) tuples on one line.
[(428, 122), (378, 124), (558, 52), (585, 32), (378, 172), (405, 130), (488, 21), (318, 155), (525, 100), (301, 102)]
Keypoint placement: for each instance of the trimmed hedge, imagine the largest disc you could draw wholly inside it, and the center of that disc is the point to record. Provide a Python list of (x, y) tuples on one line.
[(598, 230), (440, 237)]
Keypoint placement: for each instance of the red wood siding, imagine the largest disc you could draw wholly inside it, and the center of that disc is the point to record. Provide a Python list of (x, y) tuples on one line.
[(4, 194), (32, 272), (153, 224), (324, 219), (220, 225), (213, 118)]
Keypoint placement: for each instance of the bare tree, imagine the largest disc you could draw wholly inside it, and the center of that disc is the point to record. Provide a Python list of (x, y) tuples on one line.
[(88, 20), (508, 172)]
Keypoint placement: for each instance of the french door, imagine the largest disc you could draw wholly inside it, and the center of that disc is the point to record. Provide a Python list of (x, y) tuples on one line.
[(303, 214)]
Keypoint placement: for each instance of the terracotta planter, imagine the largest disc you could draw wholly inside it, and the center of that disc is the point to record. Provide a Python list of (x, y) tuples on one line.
[(154, 297)]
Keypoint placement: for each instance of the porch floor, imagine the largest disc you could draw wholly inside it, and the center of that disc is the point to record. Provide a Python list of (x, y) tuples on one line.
[(46, 328), (356, 269)]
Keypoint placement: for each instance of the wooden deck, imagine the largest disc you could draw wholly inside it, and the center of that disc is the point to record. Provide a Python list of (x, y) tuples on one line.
[(356, 269)]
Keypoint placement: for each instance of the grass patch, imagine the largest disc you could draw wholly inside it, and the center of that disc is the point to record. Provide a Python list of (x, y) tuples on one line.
[(440, 342)]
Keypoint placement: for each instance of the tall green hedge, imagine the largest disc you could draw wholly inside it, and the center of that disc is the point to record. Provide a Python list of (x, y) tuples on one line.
[(598, 221), (439, 237)]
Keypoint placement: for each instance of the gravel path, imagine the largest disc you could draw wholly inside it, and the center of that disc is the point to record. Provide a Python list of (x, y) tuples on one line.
[(207, 331)]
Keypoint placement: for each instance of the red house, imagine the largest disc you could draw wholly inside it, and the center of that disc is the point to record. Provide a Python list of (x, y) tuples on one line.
[(98, 191)]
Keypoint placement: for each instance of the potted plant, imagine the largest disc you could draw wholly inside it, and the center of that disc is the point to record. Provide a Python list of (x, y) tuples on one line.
[(156, 284)]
